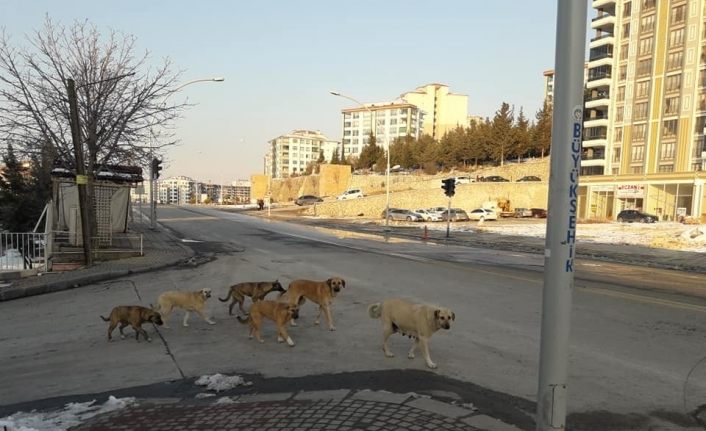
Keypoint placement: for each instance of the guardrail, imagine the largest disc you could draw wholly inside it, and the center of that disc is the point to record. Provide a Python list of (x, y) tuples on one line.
[(20, 251)]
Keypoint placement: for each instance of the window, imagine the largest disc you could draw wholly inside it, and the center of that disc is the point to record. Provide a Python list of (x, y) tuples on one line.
[(648, 4), (636, 169), (627, 9), (640, 111), (621, 94), (666, 151), (638, 132), (678, 14), (666, 168), (675, 60), (624, 51), (626, 30), (638, 153), (616, 155), (646, 46), (676, 37), (619, 113), (618, 135), (702, 102), (673, 83), (670, 129), (623, 72), (644, 67), (647, 24), (642, 89), (671, 105)]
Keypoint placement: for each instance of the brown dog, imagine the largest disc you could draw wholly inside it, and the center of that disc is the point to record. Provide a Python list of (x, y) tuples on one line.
[(318, 292), (256, 290), (189, 301), (417, 321), (133, 315), (279, 312)]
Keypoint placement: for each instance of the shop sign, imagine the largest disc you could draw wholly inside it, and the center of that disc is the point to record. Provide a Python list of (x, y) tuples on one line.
[(630, 191)]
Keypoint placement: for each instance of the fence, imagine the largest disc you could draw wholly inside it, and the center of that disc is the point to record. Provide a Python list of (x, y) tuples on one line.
[(19, 251), (115, 244)]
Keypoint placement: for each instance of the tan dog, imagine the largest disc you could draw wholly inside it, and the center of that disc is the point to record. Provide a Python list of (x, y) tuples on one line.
[(279, 312), (189, 301), (133, 315), (256, 290), (417, 321), (318, 292)]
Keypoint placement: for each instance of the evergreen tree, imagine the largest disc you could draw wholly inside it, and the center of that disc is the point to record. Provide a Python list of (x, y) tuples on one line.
[(542, 131), (335, 158), (370, 154), (21, 202), (502, 133), (521, 136)]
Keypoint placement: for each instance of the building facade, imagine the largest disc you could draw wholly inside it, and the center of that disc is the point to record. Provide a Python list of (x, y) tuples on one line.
[(392, 120), (176, 190), (443, 111), (290, 154), (645, 110)]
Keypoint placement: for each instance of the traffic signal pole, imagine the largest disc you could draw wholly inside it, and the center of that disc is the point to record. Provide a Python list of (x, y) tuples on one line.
[(155, 168), (567, 128)]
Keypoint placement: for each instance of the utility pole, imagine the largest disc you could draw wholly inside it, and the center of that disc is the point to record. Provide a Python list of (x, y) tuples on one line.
[(81, 177), (567, 128)]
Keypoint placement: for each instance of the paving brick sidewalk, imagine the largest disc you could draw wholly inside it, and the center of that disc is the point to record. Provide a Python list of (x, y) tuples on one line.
[(325, 410)]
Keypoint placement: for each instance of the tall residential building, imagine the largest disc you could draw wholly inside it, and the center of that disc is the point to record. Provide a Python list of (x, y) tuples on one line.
[(645, 109), (549, 83), (392, 120), (443, 110), (176, 190), (291, 154)]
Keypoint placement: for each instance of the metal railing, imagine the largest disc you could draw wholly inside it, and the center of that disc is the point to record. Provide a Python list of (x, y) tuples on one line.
[(119, 243), (20, 251)]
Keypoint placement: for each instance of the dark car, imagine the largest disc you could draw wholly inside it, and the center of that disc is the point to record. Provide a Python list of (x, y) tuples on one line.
[(457, 214), (495, 179), (529, 178), (539, 212), (401, 215), (307, 200), (635, 215)]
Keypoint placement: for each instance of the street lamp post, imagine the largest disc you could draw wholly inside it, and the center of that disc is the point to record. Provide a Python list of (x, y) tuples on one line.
[(153, 185), (387, 171)]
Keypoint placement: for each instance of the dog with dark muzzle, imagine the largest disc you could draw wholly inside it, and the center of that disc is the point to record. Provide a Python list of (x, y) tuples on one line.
[(417, 321), (256, 290), (278, 312), (321, 293), (133, 315)]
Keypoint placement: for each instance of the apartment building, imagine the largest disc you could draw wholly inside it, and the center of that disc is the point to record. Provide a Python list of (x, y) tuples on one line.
[(645, 110), (443, 110), (290, 154), (549, 83), (392, 120), (178, 190)]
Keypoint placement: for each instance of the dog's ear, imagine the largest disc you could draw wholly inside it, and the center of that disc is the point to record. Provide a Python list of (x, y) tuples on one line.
[(453, 316), (436, 314), (343, 283), (329, 282)]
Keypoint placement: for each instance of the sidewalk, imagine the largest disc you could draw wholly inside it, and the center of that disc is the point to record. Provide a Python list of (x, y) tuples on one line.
[(160, 250), (316, 410)]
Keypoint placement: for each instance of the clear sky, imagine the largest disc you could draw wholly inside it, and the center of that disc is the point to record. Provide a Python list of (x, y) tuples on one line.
[(280, 59)]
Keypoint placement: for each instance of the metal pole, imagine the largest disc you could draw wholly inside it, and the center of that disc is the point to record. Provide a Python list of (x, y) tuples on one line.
[(561, 222), (153, 200), (448, 219), (387, 188), (81, 177)]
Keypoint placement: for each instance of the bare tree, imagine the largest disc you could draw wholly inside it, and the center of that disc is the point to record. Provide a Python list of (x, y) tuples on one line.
[(121, 97)]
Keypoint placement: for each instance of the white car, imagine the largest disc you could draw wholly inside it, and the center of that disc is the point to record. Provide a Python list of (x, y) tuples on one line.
[(465, 180), (482, 214), (428, 215), (350, 194)]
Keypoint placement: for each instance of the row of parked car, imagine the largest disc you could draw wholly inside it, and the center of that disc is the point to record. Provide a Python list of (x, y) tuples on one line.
[(438, 214), (493, 179)]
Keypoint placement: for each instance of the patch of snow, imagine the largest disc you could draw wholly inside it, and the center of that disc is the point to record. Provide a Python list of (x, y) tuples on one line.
[(202, 395), (225, 400), (58, 420), (220, 382)]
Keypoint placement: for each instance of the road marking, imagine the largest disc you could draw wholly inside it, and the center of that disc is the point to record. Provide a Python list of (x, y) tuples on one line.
[(645, 299)]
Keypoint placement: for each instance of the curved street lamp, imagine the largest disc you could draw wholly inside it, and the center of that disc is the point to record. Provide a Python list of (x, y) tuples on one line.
[(387, 171)]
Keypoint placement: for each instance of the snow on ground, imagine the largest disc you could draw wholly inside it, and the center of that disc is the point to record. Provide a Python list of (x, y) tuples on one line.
[(675, 236), (71, 415), (220, 382)]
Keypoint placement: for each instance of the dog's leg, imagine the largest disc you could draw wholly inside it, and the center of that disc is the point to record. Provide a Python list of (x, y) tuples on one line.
[(206, 318), (318, 316), (138, 330), (110, 330), (165, 312), (410, 355), (424, 344), (122, 334), (230, 307), (240, 305), (258, 335), (186, 318), (386, 332), (284, 336), (329, 317)]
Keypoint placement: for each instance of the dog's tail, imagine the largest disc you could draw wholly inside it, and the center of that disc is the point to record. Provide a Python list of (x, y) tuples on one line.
[(243, 321), (375, 310), (230, 293), (104, 319)]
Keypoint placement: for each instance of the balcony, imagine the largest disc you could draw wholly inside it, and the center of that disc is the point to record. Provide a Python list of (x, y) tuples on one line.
[(592, 154), (596, 99), (603, 21), (602, 3), (595, 122), (608, 39), (592, 162)]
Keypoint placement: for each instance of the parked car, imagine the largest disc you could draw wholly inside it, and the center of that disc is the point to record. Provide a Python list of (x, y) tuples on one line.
[(529, 178), (350, 194), (522, 212), (495, 179), (635, 215), (437, 210), (307, 200), (483, 214), (457, 214), (12, 259), (401, 215), (464, 180), (539, 212), (428, 215)]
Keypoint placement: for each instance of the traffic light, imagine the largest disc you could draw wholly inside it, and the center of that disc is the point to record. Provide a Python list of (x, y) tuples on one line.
[(449, 186), (156, 167)]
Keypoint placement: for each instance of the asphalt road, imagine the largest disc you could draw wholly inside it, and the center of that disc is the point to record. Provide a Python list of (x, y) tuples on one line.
[(637, 333)]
